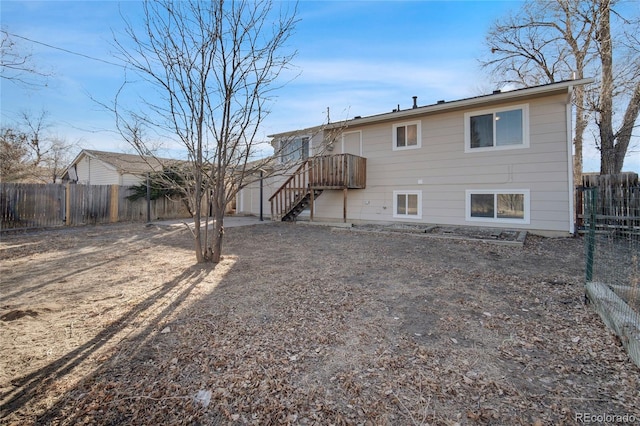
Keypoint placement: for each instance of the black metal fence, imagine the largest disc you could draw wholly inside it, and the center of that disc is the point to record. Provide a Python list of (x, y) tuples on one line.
[(611, 226)]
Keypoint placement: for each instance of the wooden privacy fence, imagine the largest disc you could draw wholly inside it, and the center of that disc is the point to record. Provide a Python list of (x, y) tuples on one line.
[(611, 201), (24, 206)]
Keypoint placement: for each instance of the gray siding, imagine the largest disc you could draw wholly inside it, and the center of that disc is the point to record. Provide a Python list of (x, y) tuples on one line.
[(95, 172), (248, 199), (444, 172), (130, 180)]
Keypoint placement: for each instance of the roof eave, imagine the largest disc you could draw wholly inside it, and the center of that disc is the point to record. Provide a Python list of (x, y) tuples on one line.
[(308, 130), (511, 95)]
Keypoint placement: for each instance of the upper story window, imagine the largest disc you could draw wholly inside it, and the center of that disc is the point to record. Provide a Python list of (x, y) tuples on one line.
[(293, 150), (407, 135), (505, 128)]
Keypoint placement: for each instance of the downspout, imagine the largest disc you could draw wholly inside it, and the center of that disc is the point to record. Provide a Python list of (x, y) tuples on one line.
[(572, 195)]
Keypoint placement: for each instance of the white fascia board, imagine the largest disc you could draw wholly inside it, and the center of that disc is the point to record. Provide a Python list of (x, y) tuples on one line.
[(109, 166), (306, 132), (75, 161)]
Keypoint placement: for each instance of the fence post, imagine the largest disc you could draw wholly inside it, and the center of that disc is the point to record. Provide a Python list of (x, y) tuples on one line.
[(591, 204), (113, 203), (148, 198), (67, 204)]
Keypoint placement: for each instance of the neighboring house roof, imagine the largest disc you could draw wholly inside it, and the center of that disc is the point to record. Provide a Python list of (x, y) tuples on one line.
[(442, 106), (124, 163)]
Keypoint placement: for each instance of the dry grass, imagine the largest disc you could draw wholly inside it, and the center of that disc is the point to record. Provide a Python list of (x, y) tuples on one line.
[(301, 325)]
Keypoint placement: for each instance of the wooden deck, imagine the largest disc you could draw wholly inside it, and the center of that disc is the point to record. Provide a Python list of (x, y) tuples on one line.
[(316, 174), (338, 172)]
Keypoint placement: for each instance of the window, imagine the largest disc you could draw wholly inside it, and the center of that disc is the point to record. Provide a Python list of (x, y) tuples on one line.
[(407, 204), (499, 206), (506, 128), (407, 136), (295, 149)]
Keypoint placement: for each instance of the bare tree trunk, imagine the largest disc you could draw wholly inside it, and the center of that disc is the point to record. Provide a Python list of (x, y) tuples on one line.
[(605, 124), (197, 217), (625, 132), (220, 205), (578, 138)]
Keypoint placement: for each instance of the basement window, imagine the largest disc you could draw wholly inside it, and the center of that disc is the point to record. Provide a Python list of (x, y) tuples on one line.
[(407, 204), (509, 206)]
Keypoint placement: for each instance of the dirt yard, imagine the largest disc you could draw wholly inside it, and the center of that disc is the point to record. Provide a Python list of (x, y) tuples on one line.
[(302, 325)]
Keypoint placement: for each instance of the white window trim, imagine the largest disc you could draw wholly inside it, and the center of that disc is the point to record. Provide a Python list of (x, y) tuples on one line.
[(525, 129), (407, 192), (394, 135), (527, 206), (280, 147)]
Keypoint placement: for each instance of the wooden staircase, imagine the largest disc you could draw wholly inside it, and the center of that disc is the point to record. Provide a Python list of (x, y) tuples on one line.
[(303, 201), (311, 178)]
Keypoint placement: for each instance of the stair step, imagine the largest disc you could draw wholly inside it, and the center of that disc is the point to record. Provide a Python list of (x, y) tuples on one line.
[(301, 204)]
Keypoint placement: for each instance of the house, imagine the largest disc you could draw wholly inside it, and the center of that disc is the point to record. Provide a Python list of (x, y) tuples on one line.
[(111, 168), (499, 160)]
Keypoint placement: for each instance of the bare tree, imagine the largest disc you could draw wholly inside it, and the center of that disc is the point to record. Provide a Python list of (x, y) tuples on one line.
[(13, 150), (17, 65), (211, 68), (36, 140), (616, 84), (556, 40), (59, 154), (30, 153)]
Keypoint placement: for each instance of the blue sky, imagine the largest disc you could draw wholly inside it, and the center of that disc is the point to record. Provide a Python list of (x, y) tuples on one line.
[(354, 57)]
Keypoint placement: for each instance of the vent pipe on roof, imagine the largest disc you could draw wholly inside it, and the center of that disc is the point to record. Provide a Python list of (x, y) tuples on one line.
[(495, 92), (415, 102), (441, 101)]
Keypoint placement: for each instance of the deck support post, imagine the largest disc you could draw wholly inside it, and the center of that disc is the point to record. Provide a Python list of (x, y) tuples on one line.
[(344, 205), (311, 190), (311, 201)]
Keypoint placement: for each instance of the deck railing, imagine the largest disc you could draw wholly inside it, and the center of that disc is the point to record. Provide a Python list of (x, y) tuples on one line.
[(338, 171), (291, 191)]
